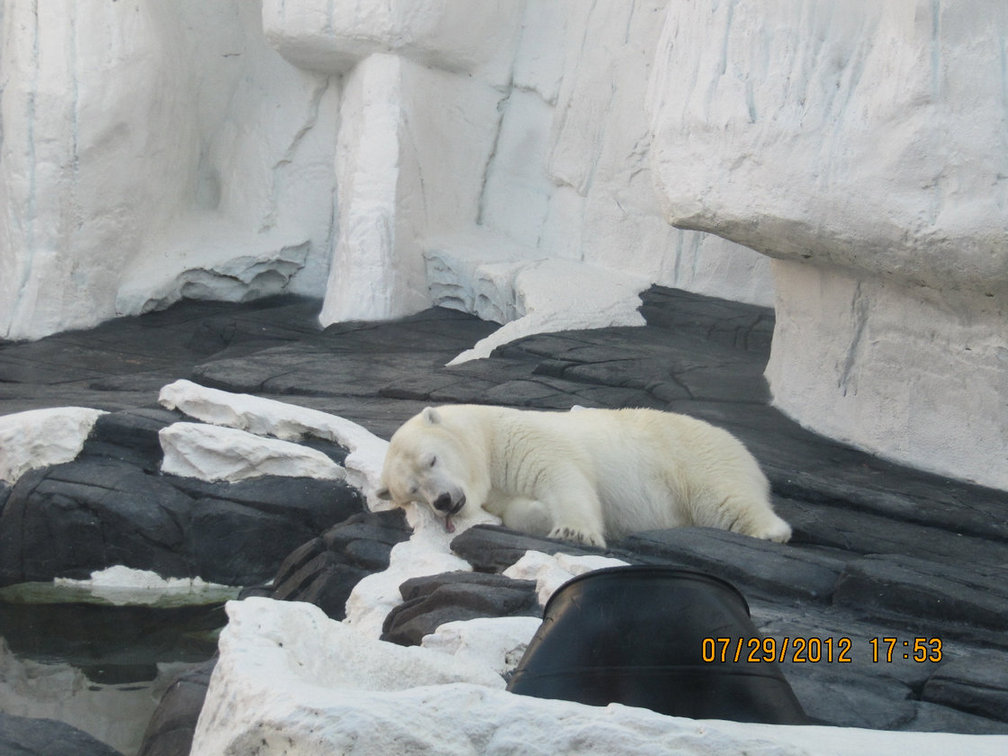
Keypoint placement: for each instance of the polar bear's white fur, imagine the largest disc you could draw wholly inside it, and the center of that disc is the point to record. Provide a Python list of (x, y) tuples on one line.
[(585, 475)]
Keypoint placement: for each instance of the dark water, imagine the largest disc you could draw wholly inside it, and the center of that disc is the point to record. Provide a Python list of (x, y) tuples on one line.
[(72, 654)]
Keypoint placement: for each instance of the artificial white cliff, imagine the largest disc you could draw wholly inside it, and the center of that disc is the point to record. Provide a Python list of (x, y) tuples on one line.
[(153, 151), (864, 146), (842, 161)]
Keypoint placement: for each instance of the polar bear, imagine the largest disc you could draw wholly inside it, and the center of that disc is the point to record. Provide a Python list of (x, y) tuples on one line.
[(585, 475)]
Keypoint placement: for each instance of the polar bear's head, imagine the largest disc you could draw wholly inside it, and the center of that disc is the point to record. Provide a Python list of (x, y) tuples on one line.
[(428, 462)]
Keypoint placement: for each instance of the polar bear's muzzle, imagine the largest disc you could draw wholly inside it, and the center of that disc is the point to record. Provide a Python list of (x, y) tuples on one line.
[(445, 503), (450, 506)]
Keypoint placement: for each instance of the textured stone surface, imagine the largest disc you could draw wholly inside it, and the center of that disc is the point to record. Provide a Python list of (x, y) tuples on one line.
[(71, 519), (978, 685), (784, 150), (108, 210), (130, 436), (757, 569), (22, 736), (952, 598), (325, 570), (864, 155), (431, 601)]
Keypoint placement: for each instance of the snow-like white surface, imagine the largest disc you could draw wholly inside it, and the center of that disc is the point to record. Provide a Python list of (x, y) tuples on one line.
[(211, 452), (38, 438), (267, 417), (497, 642), (551, 571), (534, 295), (292, 681), (900, 371), (455, 35)]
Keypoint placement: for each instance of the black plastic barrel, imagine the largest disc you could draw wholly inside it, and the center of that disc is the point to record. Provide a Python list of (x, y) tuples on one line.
[(636, 636)]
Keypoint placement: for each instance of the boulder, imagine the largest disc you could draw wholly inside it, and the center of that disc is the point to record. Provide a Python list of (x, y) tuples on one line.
[(324, 570), (429, 602), (69, 520), (978, 685)]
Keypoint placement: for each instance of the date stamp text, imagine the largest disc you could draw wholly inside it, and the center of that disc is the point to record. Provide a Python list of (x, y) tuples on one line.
[(818, 650)]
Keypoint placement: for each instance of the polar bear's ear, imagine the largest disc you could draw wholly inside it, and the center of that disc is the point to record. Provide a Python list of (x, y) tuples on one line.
[(431, 415)]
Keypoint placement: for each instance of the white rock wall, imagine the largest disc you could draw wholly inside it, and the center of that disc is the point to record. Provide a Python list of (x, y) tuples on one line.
[(865, 145), (571, 175), (152, 150), (534, 139), (234, 149)]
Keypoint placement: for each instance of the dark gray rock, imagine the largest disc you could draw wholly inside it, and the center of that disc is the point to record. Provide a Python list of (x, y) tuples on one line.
[(241, 532), (171, 728), (431, 601), (69, 520), (936, 599), (318, 504), (837, 697), (760, 567), (130, 436), (723, 321), (977, 684), (324, 570), (491, 548), (22, 736), (813, 477), (858, 532), (930, 717)]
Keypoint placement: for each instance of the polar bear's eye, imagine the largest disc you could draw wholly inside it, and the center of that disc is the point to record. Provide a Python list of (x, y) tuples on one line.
[(433, 460)]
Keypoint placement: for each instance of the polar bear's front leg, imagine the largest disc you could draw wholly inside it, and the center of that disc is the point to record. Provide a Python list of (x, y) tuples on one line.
[(577, 516)]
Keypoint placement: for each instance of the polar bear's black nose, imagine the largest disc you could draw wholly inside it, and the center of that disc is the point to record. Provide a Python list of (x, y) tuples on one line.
[(443, 502)]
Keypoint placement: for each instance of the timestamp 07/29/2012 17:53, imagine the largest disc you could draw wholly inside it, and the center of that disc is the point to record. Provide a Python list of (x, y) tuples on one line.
[(816, 650)]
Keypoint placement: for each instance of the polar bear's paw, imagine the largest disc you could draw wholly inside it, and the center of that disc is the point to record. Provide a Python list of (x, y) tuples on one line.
[(578, 535), (776, 530)]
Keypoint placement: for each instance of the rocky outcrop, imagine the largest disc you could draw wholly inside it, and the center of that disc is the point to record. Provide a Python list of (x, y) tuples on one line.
[(326, 569), (110, 507), (429, 602), (862, 147)]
